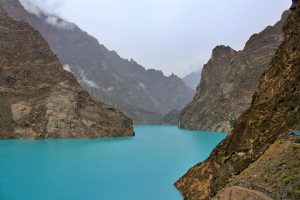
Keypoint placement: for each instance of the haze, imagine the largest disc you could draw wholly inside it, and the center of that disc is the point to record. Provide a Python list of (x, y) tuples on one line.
[(169, 35)]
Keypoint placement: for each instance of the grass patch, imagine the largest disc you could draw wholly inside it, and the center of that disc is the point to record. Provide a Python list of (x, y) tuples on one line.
[(288, 180)]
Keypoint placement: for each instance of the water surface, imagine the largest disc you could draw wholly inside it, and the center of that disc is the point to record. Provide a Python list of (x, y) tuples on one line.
[(143, 167)]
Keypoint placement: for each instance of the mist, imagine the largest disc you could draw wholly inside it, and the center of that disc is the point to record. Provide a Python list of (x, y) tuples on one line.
[(175, 36)]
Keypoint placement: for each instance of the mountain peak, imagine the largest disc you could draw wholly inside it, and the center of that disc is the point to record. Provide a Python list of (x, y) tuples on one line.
[(42, 100), (120, 82), (229, 80)]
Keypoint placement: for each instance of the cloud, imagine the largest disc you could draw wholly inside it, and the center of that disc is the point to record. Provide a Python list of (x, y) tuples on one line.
[(86, 81), (59, 23), (46, 6), (30, 7), (51, 9)]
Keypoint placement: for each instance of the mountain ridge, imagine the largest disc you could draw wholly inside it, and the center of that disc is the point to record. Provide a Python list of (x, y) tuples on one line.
[(272, 115), (104, 74), (39, 99), (229, 80)]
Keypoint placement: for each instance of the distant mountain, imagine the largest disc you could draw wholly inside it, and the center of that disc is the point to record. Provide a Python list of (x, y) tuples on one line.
[(229, 80), (39, 99), (192, 80), (141, 94)]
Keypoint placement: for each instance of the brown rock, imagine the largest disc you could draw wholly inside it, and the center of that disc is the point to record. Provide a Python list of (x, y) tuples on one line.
[(144, 95), (172, 118), (277, 176), (229, 81), (274, 111), (38, 99)]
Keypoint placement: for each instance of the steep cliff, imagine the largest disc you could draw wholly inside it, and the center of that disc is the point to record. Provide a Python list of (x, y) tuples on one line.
[(172, 118), (39, 99), (229, 80), (144, 95), (274, 111)]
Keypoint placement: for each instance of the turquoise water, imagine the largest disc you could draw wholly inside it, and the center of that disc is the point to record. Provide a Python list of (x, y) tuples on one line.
[(143, 167), (297, 133)]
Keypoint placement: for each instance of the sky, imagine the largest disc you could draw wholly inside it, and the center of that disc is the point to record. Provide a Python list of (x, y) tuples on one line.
[(174, 36)]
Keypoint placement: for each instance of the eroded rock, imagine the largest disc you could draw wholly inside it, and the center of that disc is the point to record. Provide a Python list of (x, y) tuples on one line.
[(39, 99)]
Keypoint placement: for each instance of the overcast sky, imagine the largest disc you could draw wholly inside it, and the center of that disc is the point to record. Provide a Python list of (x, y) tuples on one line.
[(169, 35)]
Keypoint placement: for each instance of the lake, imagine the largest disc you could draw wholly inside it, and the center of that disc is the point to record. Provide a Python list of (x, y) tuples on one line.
[(143, 167)]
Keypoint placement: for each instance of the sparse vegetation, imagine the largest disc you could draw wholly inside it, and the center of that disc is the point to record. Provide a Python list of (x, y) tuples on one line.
[(280, 174)]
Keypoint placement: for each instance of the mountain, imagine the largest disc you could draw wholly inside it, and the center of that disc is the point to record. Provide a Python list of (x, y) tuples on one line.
[(192, 80), (258, 152), (229, 80), (39, 99), (172, 118), (141, 94)]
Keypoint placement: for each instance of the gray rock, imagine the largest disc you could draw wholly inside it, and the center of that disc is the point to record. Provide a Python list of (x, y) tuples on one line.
[(39, 99), (229, 80), (141, 94)]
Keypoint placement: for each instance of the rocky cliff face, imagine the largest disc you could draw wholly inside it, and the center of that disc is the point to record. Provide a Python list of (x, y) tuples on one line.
[(39, 99), (274, 112), (172, 118), (229, 80), (144, 95)]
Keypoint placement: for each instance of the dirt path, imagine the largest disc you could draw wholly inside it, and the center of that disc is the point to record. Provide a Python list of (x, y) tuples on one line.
[(241, 193)]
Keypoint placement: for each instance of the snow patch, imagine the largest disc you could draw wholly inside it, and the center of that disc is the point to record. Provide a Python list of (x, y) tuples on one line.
[(110, 89), (142, 85), (67, 68)]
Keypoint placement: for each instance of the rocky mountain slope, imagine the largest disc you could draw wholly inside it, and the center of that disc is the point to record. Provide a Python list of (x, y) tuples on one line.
[(192, 80), (273, 113), (141, 94), (229, 80), (39, 99), (172, 118), (275, 176)]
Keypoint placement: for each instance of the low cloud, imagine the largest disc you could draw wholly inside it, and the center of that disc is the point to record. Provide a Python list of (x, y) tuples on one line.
[(31, 7), (59, 23), (84, 80), (51, 8), (46, 6)]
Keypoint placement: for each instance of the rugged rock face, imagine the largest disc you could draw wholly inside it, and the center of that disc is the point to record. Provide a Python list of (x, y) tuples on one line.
[(274, 111), (193, 79), (276, 176), (142, 94), (38, 99), (229, 80), (172, 118)]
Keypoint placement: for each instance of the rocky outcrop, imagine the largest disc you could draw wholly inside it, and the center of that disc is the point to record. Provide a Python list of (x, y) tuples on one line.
[(229, 80), (274, 111), (39, 99), (276, 176), (141, 94)]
